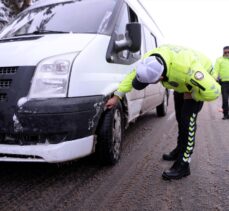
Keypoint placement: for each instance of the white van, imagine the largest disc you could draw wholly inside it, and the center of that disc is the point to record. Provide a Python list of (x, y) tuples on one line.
[(60, 61)]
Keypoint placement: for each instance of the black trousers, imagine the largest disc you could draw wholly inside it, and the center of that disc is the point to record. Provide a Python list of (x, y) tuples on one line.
[(186, 115), (225, 95)]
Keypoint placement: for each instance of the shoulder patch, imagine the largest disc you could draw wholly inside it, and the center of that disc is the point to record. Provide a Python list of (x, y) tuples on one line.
[(199, 75)]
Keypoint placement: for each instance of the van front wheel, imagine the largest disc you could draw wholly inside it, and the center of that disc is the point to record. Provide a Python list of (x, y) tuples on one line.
[(110, 136)]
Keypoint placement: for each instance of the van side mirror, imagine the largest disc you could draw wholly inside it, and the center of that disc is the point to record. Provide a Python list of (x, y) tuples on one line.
[(133, 39)]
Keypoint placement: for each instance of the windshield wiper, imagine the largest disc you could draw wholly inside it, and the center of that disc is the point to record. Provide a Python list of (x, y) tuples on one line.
[(42, 32)]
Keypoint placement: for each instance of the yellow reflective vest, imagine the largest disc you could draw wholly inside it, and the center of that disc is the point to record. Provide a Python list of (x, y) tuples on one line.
[(186, 71), (221, 69)]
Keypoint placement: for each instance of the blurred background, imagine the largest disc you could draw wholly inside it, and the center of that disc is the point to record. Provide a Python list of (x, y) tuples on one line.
[(199, 24)]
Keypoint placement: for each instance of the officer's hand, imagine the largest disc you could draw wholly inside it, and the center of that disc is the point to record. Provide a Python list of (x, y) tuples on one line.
[(112, 102)]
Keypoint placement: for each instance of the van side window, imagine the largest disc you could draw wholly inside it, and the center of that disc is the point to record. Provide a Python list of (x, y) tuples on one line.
[(133, 16), (126, 16), (120, 27), (150, 40)]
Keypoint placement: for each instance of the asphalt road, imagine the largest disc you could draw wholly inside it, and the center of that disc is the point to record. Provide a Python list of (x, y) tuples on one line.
[(135, 183)]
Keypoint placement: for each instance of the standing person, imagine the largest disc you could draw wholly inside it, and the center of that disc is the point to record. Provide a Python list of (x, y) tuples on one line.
[(186, 72), (221, 69)]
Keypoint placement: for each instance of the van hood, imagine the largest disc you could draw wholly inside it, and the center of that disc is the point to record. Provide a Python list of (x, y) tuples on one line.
[(30, 50)]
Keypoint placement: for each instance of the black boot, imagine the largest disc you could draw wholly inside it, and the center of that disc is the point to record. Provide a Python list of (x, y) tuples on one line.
[(173, 155), (225, 117), (178, 170)]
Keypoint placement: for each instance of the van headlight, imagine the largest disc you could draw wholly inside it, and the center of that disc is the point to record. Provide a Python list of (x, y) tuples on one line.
[(51, 77)]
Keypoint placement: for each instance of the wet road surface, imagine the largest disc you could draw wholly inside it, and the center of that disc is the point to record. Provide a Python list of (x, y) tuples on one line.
[(134, 183)]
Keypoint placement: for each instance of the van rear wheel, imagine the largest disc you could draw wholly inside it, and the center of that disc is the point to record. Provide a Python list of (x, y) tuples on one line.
[(110, 136)]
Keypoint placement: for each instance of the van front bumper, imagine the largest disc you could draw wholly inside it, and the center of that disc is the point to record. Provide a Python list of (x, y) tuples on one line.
[(51, 121), (50, 153)]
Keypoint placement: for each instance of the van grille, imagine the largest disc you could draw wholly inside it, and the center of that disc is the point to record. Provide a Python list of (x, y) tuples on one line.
[(6, 74), (5, 83), (8, 70), (2, 97), (14, 84)]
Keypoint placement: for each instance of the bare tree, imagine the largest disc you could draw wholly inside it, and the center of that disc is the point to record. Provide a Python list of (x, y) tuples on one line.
[(25, 4), (10, 8), (21, 5)]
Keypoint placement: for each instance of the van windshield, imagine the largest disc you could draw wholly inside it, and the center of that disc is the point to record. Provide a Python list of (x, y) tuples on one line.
[(85, 16)]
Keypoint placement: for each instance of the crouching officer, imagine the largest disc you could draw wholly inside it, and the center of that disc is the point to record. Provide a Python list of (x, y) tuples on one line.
[(185, 71)]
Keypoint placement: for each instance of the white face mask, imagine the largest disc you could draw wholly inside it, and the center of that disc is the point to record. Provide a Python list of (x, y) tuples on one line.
[(226, 52), (226, 55)]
